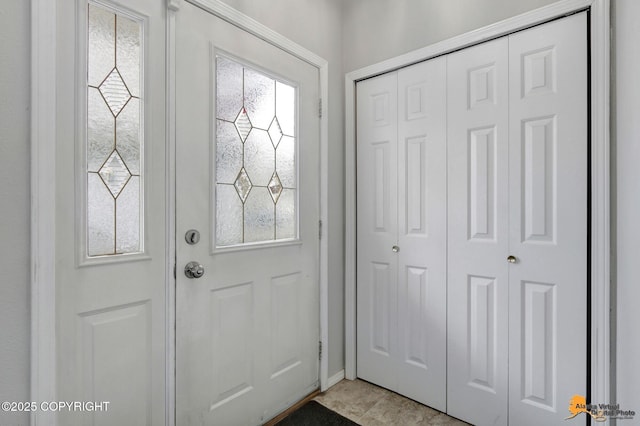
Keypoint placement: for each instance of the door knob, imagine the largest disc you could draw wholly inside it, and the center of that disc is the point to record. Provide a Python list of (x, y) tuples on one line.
[(512, 259), (194, 270), (395, 249)]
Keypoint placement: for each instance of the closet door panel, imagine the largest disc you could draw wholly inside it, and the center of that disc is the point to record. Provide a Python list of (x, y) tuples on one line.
[(477, 164), (377, 129), (548, 219), (422, 239)]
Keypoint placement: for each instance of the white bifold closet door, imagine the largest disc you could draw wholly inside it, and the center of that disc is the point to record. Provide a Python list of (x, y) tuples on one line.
[(478, 297), (548, 200), (518, 182), (401, 262), (472, 227)]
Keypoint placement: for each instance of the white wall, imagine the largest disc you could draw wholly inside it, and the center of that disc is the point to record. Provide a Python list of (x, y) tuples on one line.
[(375, 30), (14, 206), (626, 204)]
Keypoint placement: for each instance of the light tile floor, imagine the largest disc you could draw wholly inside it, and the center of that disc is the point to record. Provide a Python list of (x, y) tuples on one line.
[(370, 405)]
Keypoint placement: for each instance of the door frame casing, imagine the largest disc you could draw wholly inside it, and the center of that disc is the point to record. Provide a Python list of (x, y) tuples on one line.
[(43, 382), (600, 169), (43, 207)]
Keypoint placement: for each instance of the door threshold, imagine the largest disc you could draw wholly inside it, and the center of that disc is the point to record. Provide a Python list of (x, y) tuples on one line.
[(293, 408)]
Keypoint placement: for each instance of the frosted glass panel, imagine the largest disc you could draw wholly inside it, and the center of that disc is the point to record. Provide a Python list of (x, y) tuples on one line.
[(229, 219), (229, 79), (100, 130), (259, 98), (228, 152), (256, 174), (101, 44), (286, 161), (128, 135), (128, 217), (259, 157), (114, 133), (128, 53), (286, 214), (285, 108), (100, 217), (259, 216)]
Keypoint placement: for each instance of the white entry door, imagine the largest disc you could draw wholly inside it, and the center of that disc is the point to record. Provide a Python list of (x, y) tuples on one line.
[(247, 137), (402, 232)]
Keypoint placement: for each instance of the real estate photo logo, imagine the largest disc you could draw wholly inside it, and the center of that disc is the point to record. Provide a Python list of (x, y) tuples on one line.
[(598, 412)]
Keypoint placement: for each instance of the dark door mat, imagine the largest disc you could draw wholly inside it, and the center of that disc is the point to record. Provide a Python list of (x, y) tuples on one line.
[(315, 414)]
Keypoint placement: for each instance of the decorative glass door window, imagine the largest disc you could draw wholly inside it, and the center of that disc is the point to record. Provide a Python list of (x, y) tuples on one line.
[(255, 145), (114, 133)]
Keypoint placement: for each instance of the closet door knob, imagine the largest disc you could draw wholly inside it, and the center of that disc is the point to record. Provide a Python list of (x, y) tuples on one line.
[(512, 259), (395, 249)]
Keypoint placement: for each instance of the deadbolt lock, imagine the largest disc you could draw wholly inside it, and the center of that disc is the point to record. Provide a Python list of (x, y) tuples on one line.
[(192, 236)]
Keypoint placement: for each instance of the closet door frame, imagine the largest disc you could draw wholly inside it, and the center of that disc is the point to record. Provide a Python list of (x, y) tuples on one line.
[(599, 262)]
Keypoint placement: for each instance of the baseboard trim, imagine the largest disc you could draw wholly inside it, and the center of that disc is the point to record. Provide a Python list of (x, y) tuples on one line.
[(335, 379)]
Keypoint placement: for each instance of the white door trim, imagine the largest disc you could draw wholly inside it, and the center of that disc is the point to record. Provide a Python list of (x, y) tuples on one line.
[(43, 189), (173, 7), (43, 207), (600, 197)]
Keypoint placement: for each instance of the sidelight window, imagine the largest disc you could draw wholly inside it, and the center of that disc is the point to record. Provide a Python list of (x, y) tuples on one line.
[(113, 163)]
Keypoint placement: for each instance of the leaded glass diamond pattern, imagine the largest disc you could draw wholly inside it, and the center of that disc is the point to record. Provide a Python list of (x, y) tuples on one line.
[(264, 155), (243, 124), (114, 193), (275, 132), (114, 174), (275, 187), (115, 92), (243, 185)]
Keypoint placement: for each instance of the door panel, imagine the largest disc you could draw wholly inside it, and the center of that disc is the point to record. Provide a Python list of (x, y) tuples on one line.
[(548, 219), (422, 238), (478, 233), (231, 329), (377, 230), (539, 145), (248, 329), (107, 366), (402, 203)]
